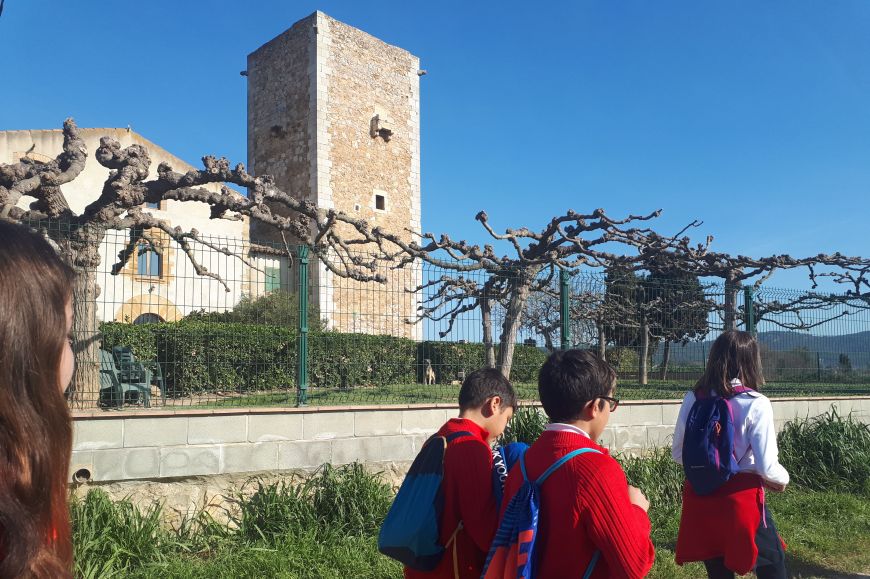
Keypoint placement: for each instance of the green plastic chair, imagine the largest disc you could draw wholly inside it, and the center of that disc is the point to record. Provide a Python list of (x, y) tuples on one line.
[(127, 382)]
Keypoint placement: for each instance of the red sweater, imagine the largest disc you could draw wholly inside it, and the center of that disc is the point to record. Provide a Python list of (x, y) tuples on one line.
[(584, 508), (468, 497)]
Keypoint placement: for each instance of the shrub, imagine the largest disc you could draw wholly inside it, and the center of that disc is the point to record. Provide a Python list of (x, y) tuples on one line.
[(827, 453), (347, 360), (141, 338), (206, 357), (625, 361), (276, 308)]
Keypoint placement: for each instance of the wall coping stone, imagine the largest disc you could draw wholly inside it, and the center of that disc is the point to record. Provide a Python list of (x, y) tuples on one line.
[(133, 414)]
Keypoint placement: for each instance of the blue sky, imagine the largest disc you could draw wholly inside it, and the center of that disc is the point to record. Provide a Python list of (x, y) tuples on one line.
[(751, 116)]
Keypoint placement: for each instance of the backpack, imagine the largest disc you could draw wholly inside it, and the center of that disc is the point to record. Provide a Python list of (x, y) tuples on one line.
[(410, 532), (503, 459), (512, 552), (708, 445)]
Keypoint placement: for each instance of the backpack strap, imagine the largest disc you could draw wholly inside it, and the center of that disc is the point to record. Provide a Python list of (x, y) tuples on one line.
[(595, 556), (555, 466), (454, 435)]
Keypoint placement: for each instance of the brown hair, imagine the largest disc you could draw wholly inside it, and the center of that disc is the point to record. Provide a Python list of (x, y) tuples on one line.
[(734, 354), (35, 425), (569, 379), (481, 385)]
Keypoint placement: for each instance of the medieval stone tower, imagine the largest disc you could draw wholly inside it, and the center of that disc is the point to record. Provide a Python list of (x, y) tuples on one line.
[(334, 117)]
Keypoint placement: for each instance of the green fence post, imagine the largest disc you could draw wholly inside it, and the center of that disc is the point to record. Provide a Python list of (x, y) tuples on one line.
[(565, 307), (302, 338), (749, 309)]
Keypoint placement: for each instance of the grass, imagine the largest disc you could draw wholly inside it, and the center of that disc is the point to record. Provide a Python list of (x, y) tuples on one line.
[(326, 525), (445, 393), (828, 452)]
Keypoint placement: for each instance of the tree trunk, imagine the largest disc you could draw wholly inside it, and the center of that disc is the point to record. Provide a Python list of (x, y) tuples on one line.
[(519, 294), (731, 288), (548, 341), (666, 359), (602, 340), (486, 320), (643, 363), (85, 387)]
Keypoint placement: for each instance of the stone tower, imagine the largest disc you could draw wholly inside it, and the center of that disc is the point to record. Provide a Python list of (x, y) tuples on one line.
[(334, 117)]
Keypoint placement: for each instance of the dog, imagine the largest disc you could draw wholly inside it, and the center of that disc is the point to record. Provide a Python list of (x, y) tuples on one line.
[(428, 373)]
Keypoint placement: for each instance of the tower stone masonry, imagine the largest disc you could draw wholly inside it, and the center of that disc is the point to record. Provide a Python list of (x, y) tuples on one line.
[(334, 117)]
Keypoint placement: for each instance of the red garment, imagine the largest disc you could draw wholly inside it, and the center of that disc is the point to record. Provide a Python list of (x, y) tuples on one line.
[(722, 524), (469, 498), (584, 508)]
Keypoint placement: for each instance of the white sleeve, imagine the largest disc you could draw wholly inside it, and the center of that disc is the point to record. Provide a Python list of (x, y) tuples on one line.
[(762, 441), (680, 427)]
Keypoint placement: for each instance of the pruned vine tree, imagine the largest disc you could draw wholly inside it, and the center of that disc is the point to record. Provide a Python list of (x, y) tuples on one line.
[(334, 237)]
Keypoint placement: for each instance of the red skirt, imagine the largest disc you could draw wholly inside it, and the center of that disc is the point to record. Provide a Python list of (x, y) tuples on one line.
[(722, 524)]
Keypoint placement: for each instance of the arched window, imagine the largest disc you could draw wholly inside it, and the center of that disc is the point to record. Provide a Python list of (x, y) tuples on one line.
[(149, 262), (148, 319)]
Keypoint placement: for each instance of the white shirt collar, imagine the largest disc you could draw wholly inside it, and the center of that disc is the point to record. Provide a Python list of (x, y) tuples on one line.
[(562, 427)]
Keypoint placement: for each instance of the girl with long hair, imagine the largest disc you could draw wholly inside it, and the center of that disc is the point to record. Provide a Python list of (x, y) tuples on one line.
[(36, 365), (731, 529)]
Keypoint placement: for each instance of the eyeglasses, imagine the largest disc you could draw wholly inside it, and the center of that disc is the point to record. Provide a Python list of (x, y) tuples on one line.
[(614, 402)]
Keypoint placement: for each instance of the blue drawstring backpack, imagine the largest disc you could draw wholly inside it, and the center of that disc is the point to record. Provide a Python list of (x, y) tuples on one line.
[(511, 555), (410, 532), (503, 459), (708, 444)]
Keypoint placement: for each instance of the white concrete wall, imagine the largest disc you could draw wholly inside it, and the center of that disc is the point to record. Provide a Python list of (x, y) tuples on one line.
[(161, 445)]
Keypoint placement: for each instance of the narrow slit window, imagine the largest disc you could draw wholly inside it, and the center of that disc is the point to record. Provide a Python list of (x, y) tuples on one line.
[(380, 203)]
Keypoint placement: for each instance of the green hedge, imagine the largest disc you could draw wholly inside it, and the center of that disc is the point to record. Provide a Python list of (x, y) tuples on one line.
[(199, 356), (346, 360), (208, 357), (141, 338)]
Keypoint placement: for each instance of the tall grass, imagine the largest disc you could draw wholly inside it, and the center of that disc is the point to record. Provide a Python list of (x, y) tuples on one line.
[(526, 426), (657, 475), (112, 537), (827, 453), (347, 501)]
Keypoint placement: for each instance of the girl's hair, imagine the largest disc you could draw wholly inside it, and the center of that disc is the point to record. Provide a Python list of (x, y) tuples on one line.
[(734, 354), (35, 424)]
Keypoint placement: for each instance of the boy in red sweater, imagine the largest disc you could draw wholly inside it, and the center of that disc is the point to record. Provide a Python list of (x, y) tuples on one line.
[(468, 522), (587, 505)]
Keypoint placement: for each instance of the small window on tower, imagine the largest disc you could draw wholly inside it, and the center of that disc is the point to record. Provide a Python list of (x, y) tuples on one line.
[(380, 203)]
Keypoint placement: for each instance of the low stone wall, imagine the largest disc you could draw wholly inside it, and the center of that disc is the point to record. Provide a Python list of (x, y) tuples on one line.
[(163, 445)]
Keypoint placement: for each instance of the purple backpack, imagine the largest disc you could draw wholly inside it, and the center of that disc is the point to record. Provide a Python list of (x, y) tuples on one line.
[(708, 445)]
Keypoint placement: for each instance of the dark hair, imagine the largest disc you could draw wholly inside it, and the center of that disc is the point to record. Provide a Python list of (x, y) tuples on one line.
[(35, 425), (569, 379), (734, 354), (481, 385)]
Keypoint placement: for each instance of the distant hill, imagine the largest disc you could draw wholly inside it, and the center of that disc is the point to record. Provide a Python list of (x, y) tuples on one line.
[(828, 348)]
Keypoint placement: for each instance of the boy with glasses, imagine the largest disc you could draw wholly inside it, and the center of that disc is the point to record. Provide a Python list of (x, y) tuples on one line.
[(590, 518)]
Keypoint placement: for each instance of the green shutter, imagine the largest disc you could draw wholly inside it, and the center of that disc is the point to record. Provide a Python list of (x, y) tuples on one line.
[(273, 278)]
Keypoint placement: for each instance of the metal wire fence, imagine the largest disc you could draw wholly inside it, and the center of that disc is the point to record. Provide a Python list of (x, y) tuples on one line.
[(266, 325)]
